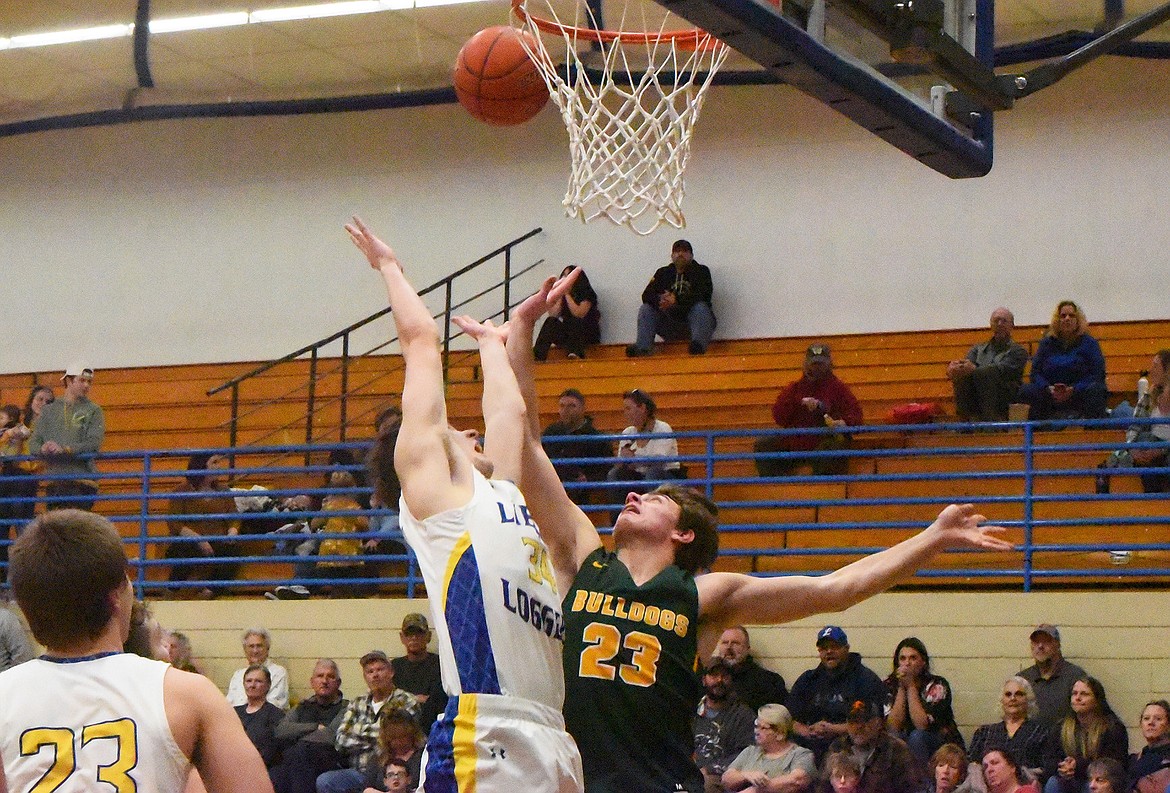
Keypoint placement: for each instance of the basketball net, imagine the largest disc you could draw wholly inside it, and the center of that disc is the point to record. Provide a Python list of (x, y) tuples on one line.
[(630, 112)]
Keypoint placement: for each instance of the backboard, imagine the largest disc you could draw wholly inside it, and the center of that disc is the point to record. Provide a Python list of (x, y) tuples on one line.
[(916, 73)]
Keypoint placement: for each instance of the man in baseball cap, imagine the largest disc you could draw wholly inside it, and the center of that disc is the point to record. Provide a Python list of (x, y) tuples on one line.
[(1051, 676), (821, 698), (418, 670), (69, 431)]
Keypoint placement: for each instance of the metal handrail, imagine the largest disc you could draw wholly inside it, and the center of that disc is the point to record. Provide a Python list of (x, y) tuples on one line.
[(313, 349)]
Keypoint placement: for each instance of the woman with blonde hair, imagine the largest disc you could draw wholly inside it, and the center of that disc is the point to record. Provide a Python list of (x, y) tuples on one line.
[(1019, 731), (1091, 732), (1068, 370), (775, 763)]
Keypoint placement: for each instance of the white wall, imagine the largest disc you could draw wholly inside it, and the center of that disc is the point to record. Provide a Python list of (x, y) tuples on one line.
[(213, 240)]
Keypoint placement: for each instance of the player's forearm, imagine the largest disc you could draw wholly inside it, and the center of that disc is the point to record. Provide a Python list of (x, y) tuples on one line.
[(519, 349), (876, 573), (503, 404), (412, 318)]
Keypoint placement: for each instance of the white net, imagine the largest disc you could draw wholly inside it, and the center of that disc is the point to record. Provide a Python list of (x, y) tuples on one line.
[(630, 102)]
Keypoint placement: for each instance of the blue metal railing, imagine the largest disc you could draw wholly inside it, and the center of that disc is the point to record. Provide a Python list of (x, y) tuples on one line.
[(1024, 476)]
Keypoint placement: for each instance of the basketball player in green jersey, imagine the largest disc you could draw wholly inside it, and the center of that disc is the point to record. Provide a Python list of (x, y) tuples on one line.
[(637, 618)]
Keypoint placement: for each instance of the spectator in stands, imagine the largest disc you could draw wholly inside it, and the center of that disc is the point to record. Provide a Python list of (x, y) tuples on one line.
[(676, 304), (1091, 732), (1002, 774), (641, 412), (887, 764), (350, 565), (68, 430), (1106, 776), (821, 698), (257, 644), (842, 774), (1154, 404), (573, 420), (18, 436), (308, 731), (180, 655), (358, 731), (400, 740), (818, 399), (260, 716), (918, 703), (774, 762), (753, 684), (203, 494), (14, 645), (1068, 370), (11, 445), (396, 777), (573, 324), (1051, 676), (723, 725), (989, 378), (418, 671), (952, 772), (1149, 769), (1026, 738)]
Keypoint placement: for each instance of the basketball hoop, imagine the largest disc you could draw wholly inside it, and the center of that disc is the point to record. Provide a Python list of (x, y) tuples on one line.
[(630, 113)]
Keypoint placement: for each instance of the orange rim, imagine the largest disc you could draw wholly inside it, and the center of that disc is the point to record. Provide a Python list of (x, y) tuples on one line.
[(694, 38)]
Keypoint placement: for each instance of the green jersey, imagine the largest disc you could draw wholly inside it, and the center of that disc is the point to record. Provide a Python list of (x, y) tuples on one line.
[(630, 684)]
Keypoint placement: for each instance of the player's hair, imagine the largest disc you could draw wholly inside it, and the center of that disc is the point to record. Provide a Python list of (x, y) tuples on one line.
[(778, 717), (259, 668), (699, 515), (62, 569), (1082, 320), (380, 465)]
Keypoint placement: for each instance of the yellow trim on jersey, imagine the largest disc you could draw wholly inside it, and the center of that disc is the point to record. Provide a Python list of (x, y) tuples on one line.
[(461, 546), (463, 743)]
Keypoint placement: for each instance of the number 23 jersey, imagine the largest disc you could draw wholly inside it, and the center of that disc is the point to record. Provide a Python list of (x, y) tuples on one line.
[(71, 725), (631, 689)]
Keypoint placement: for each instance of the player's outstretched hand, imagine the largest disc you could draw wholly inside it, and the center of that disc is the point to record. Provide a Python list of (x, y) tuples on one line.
[(377, 253), (545, 298), (481, 331), (960, 526)]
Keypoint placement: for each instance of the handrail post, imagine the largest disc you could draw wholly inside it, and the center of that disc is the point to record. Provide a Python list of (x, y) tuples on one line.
[(709, 463), (1029, 477), (233, 430), (312, 402), (344, 384), (447, 333), (143, 519), (507, 282)]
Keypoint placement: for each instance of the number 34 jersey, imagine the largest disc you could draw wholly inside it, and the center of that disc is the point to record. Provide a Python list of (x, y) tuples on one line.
[(69, 725), (631, 689)]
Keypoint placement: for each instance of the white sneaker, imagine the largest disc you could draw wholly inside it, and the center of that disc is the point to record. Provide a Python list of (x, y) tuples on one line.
[(294, 592)]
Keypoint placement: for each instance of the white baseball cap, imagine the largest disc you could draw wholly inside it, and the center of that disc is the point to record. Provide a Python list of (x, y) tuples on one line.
[(78, 370)]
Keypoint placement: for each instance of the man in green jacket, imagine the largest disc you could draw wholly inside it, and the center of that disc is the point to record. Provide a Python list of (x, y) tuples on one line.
[(67, 432)]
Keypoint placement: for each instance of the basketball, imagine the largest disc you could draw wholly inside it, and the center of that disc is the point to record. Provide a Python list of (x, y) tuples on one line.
[(496, 80)]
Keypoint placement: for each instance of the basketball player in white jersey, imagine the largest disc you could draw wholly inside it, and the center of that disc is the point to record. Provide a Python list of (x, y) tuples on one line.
[(491, 587), (85, 713)]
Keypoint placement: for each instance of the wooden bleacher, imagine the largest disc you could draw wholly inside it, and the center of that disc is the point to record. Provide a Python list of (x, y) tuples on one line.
[(730, 388)]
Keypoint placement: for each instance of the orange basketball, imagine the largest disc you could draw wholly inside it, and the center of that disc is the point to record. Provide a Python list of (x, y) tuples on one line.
[(496, 80)]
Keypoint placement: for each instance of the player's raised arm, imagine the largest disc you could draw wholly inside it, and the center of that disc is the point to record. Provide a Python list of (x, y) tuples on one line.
[(434, 476), (730, 598), (567, 531), (505, 423), (206, 727)]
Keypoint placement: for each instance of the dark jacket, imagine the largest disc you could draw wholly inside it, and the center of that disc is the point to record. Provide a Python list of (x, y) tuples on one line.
[(693, 285), (582, 445), (756, 686), (890, 769), (822, 694)]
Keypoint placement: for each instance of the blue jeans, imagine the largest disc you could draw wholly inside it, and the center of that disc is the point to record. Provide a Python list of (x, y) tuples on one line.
[(345, 780), (1057, 785), (699, 326)]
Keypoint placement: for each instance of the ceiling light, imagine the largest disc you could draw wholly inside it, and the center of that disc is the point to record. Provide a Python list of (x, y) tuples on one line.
[(317, 11), (70, 36), (204, 22)]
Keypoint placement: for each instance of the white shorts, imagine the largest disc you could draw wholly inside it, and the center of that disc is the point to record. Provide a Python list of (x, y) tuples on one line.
[(486, 743)]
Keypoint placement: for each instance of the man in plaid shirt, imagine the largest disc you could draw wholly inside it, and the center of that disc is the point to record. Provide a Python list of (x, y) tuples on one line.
[(357, 734)]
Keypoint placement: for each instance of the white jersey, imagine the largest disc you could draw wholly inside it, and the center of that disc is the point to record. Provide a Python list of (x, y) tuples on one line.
[(70, 725), (493, 598)]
